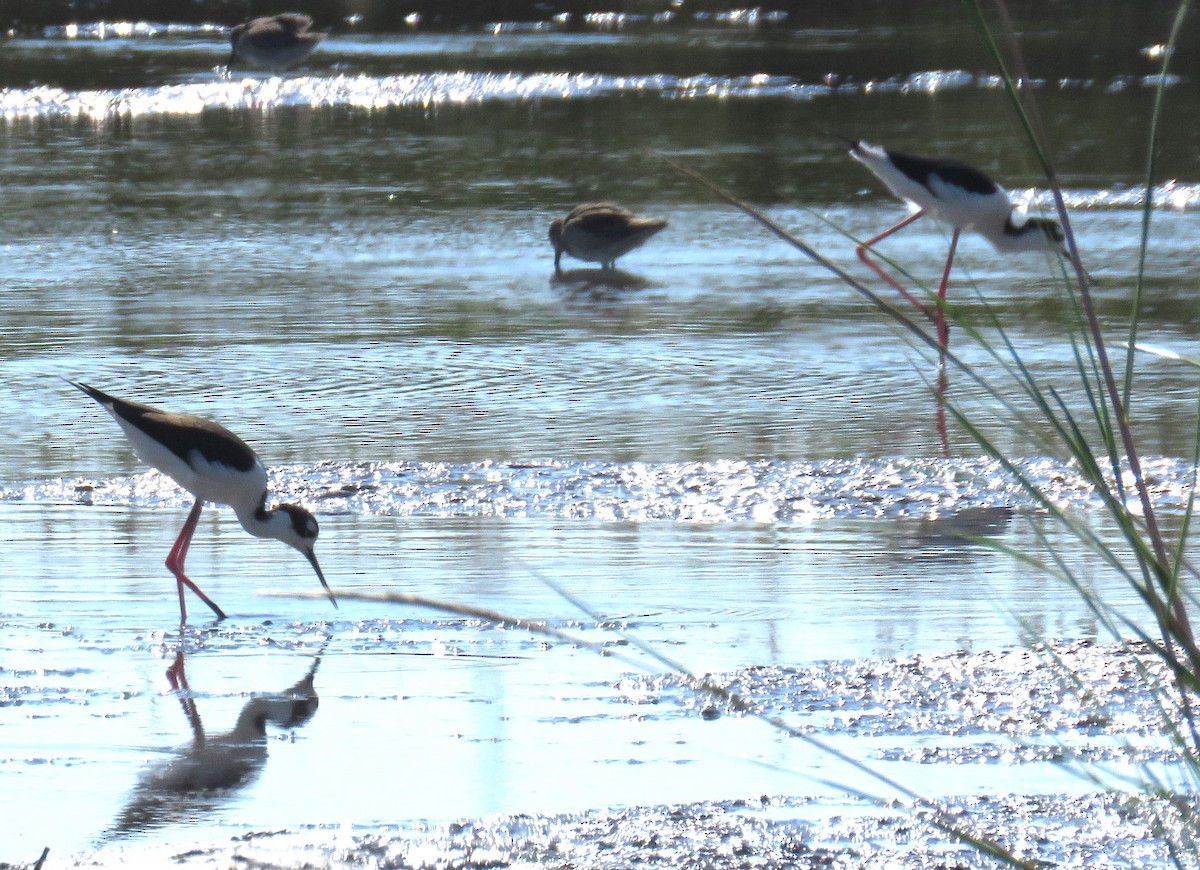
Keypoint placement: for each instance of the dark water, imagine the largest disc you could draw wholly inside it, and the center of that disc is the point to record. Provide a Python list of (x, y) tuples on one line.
[(732, 453)]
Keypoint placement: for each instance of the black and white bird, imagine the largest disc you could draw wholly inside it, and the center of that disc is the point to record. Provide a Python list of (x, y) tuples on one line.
[(274, 42), (214, 465), (599, 232), (959, 196)]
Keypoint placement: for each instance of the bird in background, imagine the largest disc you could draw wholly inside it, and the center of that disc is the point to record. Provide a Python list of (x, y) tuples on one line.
[(273, 42), (960, 196), (599, 232), (213, 464)]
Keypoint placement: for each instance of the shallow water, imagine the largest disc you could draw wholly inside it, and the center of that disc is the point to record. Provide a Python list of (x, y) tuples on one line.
[(427, 717), (730, 454)]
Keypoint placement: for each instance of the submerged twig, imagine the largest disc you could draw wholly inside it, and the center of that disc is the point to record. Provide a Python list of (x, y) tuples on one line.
[(736, 701), (484, 613)]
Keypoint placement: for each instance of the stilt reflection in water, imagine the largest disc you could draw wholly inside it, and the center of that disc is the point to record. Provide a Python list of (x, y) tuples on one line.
[(199, 778)]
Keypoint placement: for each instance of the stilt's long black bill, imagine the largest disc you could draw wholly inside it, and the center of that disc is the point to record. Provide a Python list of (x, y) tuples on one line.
[(312, 560)]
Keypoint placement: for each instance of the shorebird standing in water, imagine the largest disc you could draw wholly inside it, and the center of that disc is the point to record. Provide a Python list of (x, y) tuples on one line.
[(275, 42), (960, 196), (600, 232), (214, 465)]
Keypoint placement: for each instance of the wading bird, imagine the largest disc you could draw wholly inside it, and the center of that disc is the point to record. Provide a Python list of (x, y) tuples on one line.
[(960, 196), (599, 232), (214, 465), (274, 42)]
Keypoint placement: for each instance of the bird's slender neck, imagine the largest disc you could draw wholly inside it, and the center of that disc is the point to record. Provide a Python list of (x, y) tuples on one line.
[(251, 725), (1032, 234), (1015, 230), (260, 522)]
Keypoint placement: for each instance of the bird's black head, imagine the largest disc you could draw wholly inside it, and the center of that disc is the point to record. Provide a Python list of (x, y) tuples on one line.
[(1031, 234), (1047, 227), (304, 524), (297, 528)]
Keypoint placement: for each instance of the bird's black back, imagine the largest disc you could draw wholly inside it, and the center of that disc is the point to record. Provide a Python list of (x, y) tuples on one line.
[(951, 171), (180, 433)]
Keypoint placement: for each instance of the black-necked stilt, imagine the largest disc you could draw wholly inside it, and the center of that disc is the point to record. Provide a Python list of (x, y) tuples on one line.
[(958, 195), (274, 42), (599, 232), (214, 465)]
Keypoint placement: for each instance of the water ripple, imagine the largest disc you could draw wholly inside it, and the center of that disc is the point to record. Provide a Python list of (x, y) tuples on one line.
[(424, 90), (449, 88), (750, 17), (973, 496), (1020, 694), (1171, 194), (129, 30)]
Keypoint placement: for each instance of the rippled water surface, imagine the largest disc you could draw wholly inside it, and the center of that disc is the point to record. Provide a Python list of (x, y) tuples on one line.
[(721, 449)]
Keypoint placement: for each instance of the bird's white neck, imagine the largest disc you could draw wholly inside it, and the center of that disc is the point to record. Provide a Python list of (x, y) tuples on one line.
[(1029, 234), (263, 523)]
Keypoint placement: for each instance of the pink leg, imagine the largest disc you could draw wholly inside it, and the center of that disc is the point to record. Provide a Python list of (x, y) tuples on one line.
[(943, 436), (175, 563), (177, 677), (943, 334), (943, 328), (879, 270)]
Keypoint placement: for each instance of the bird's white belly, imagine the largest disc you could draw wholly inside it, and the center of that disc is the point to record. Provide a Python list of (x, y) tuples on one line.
[(224, 485), (965, 210)]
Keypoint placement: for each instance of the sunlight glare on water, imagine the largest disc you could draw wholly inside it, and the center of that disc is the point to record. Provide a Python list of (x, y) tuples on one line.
[(720, 449)]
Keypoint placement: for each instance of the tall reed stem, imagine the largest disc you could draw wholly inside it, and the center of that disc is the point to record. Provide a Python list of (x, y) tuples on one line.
[(1179, 626)]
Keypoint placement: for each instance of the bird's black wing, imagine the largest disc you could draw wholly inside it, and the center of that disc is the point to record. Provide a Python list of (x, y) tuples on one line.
[(951, 171), (180, 433)]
